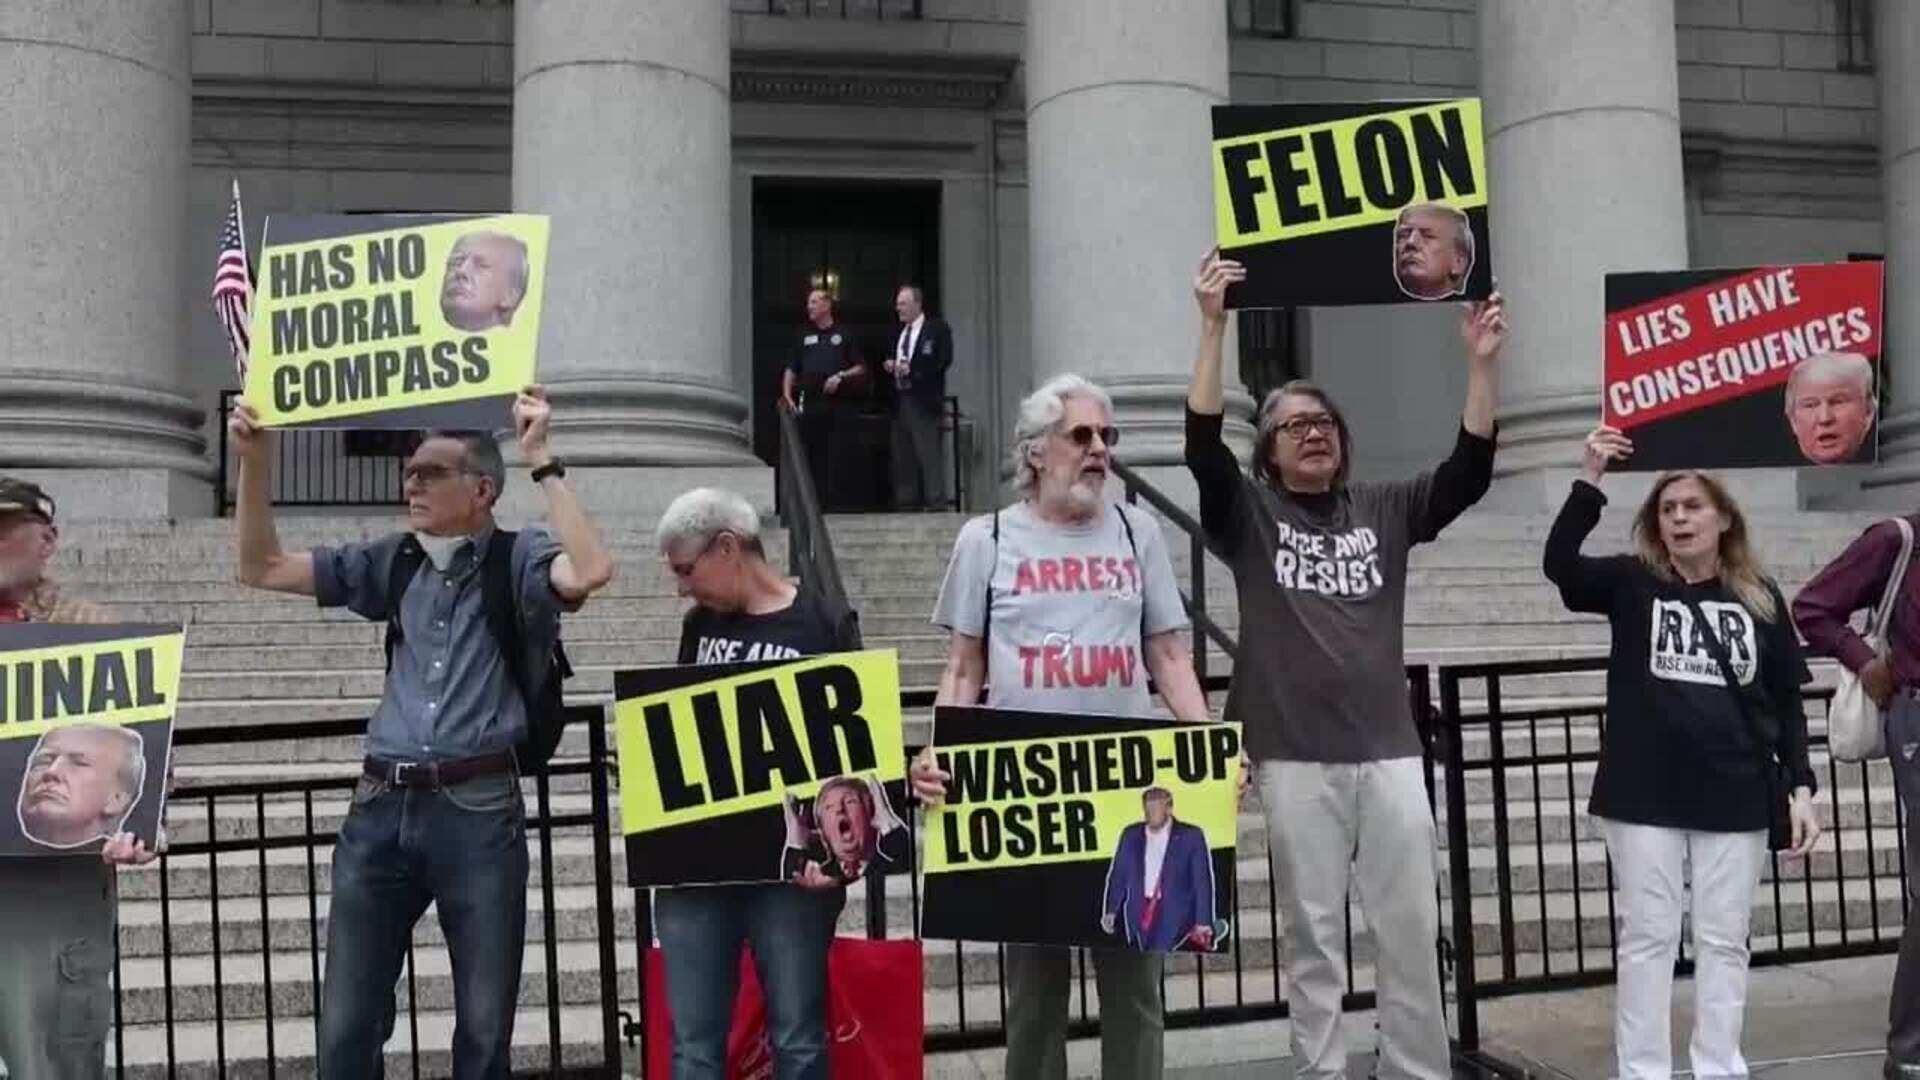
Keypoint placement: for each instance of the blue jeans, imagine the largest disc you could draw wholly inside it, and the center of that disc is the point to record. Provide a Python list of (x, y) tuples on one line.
[(463, 848), (790, 929)]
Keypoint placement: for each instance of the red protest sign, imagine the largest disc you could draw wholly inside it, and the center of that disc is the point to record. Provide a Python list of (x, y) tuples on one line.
[(1772, 365)]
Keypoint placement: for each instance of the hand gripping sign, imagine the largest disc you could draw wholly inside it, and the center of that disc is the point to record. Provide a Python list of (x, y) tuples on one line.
[(395, 321), (1757, 366), (86, 725), (1356, 203), (1082, 830), (762, 771)]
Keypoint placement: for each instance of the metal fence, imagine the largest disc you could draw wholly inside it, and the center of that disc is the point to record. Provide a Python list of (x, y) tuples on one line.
[(316, 467), (229, 941), (1532, 902)]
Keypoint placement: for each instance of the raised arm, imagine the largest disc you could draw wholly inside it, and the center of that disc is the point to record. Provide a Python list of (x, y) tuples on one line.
[(263, 564), (1586, 583), (584, 564), (1214, 471), (1483, 327)]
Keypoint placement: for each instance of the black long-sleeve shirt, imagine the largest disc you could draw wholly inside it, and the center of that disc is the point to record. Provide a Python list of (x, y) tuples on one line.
[(1322, 583), (1676, 750)]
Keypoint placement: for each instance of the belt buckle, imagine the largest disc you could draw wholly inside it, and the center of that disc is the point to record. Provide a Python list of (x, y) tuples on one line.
[(402, 769)]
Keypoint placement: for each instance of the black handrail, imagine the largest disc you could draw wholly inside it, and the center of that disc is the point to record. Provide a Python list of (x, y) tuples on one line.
[(809, 546), (1137, 488)]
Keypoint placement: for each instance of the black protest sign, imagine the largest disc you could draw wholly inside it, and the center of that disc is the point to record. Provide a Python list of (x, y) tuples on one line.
[(1356, 203)]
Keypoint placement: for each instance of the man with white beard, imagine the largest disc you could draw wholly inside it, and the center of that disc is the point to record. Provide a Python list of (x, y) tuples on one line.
[(1066, 603)]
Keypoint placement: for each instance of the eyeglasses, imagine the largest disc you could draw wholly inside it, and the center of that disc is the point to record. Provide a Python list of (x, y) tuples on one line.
[(429, 475), (686, 569), (1298, 427), (1082, 435)]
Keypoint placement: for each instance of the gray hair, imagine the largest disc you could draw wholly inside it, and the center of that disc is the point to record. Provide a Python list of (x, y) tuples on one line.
[(699, 515), (1833, 366), (482, 455), (1040, 413), (1462, 228)]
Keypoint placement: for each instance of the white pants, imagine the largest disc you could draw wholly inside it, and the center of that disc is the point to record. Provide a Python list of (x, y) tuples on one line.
[(1648, 863), (1368, 824)]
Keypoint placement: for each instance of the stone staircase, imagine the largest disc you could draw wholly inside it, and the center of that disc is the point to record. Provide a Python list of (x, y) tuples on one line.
[(254, 659)]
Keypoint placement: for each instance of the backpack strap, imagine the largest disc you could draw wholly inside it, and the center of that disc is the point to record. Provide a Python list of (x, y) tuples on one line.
[(501, 602), (407, 557), (1139, 568), (986, 613)]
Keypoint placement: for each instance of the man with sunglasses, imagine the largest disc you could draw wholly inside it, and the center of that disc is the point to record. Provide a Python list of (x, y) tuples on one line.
[(57, 911), (746, 610), (437, 816), (1066, 603), (1321, 570)]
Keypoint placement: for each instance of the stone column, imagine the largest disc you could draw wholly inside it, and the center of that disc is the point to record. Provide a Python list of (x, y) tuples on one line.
[(1583, 148), (1121, 202), (621, 133), (1896, 36), (93, 180)]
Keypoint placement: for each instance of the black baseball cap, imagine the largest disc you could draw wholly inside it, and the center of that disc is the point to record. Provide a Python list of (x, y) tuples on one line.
[(25, 497)]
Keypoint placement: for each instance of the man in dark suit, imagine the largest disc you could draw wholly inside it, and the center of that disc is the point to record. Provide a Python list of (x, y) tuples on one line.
[(1160, 891), (918, 365)]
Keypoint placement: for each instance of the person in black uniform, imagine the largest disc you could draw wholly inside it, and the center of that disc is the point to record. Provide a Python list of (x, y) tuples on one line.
[(824, 370)]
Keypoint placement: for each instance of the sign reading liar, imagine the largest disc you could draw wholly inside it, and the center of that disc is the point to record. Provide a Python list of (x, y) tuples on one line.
[(1699, 364), (744, 772)]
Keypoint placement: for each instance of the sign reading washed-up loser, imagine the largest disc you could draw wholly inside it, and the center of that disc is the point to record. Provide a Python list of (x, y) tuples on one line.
[(1052, 824), (395, 321), (1380, 202), (763, 771), (1752, 367), (86, 724)]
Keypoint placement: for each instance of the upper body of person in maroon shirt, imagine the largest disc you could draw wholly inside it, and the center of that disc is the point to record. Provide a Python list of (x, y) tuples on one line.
[(1850, 583)]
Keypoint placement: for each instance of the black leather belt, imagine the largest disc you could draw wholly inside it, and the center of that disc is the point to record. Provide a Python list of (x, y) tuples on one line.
[(433, 774)]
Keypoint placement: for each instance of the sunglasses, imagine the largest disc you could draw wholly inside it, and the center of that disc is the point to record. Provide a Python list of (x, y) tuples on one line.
[(686, 569), (429, 475), (1081, 435)]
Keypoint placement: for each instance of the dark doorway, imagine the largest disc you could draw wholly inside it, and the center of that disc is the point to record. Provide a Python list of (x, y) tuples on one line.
[(861, 241)]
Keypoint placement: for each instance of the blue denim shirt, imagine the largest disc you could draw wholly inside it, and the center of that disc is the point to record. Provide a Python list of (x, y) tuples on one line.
[(448, 694)]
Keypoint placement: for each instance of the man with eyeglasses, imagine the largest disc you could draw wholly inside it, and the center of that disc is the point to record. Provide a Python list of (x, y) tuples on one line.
[(437, 816), (1064, 602), (57, 912), (1320, 566)]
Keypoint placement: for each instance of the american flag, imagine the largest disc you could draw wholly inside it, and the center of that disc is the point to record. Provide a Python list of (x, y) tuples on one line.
[(233, 286)]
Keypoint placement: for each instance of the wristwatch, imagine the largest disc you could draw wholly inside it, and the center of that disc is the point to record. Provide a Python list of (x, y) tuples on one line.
[(552, 468)]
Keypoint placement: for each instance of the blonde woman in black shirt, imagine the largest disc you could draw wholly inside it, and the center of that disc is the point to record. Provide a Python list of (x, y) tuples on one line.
[(1705, 745)]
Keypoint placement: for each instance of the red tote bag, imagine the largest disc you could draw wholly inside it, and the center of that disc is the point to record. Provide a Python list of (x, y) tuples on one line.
[(876, 1018)]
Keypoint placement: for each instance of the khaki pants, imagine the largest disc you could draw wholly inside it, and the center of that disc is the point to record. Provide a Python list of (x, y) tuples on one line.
[(1368, 824), (1039, 986), (56, 960)]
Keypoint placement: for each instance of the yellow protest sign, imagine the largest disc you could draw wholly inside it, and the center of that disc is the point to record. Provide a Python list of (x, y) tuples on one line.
[(712, 760), (86, 724), (376, 320)]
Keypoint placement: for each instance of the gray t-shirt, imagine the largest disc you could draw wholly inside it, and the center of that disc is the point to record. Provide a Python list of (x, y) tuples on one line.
[(1071, 608)]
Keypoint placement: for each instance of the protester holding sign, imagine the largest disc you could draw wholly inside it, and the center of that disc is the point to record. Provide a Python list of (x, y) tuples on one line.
[(471, 700), (1705, 736), (745, 610), (56, 912), (1321, 569), (1065, 603)]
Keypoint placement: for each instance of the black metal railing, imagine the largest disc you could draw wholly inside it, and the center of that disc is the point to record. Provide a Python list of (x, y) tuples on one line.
[(231, 866), (1195, 598), (1532, 894), (316, 467), (809, 545), (839, 9)]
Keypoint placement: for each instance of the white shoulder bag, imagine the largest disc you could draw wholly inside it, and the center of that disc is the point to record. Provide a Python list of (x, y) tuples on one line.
[(1854, 729)]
